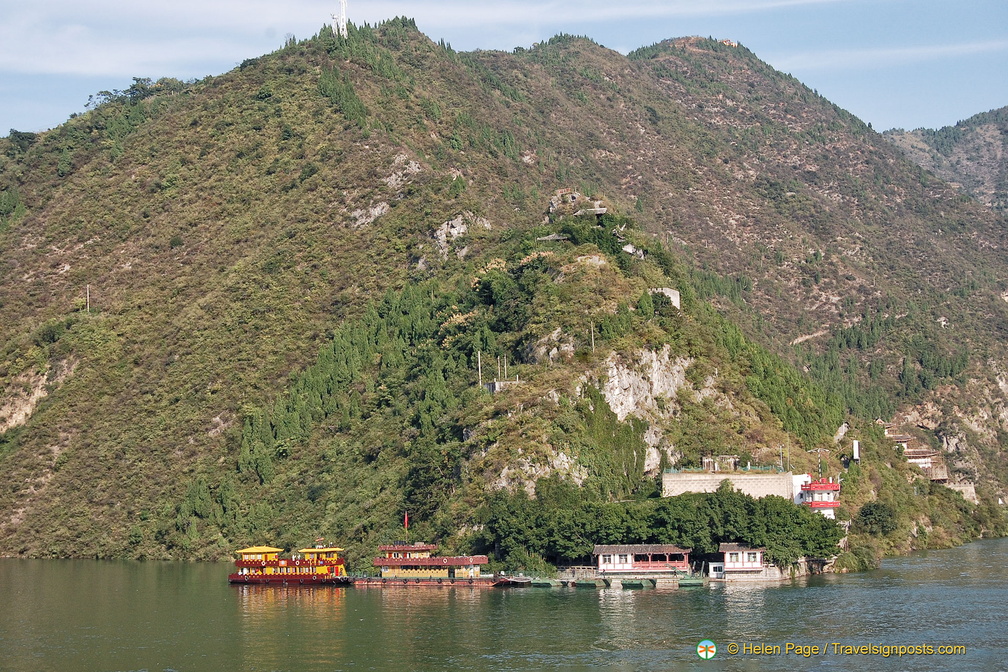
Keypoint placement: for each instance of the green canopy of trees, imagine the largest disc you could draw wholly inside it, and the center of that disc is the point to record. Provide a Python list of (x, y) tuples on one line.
[(559, 526)]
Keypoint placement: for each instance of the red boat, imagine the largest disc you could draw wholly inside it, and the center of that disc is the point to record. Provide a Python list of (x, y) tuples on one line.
[(317, 566), (414, 564)]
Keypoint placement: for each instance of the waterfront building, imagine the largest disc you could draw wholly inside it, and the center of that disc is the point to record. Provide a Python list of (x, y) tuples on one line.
[(641, 559), (821, 495), (745, 563)]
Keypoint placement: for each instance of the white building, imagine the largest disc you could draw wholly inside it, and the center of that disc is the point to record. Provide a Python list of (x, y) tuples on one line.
[(821, 496)]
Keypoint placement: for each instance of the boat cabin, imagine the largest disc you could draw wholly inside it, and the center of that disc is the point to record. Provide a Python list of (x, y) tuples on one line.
[(403, 560), (317, 554), (259, 554)]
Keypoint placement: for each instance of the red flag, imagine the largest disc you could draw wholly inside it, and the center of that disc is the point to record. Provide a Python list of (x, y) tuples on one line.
[(405, 521)]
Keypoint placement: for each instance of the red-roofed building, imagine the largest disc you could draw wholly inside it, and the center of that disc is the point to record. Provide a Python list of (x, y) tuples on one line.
[(641, 559), (821, 496)]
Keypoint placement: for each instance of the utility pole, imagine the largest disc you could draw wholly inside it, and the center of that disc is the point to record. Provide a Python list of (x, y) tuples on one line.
[(479, 366)]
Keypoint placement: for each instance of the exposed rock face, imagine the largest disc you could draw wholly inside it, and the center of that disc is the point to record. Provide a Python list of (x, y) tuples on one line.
[(525, 473), (403, 169), (634, 389), (18, 402), (554, 346), (364, 216), (446, 234), (644, 386), (641, 388)]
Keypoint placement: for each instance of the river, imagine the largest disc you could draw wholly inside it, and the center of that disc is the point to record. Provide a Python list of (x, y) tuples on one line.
[(70, 615)]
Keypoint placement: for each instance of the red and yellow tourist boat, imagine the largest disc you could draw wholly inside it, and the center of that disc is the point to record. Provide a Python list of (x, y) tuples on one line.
[(321, 565)]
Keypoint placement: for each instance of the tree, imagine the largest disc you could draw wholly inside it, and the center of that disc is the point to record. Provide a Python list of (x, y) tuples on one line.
[(645, 306), (876, 518)]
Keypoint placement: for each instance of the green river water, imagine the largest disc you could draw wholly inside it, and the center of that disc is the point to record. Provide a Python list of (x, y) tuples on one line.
[(76, 615)]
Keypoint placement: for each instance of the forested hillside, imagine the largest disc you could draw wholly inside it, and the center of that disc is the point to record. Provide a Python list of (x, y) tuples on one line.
[(258, 307)]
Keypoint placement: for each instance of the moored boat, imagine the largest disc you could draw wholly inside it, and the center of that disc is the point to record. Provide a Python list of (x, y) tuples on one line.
[(321, 565), (409, 565), (504, 581)]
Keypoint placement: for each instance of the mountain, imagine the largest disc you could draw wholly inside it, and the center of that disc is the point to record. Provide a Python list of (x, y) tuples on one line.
[(258, 306), (973, 154)]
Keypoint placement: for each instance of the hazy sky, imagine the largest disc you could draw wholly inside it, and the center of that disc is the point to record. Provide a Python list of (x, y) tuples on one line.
[(894, 63)]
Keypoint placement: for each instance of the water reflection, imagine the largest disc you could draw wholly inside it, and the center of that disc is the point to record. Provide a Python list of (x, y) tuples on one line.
[(618, 617), (283, 624), (79, 615), (265, 602)]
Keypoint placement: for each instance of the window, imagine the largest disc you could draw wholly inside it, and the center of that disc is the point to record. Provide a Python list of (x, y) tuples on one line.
[(622, 559), (606, 559), (733, 557), (750, 557)]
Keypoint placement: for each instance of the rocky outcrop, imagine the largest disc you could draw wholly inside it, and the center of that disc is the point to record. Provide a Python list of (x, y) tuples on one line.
[(555, 346), (634, 388), (646, 387), (18, 401), (446, 234)]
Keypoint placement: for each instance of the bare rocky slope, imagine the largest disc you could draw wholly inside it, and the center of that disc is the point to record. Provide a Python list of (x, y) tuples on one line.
[(972, 155)]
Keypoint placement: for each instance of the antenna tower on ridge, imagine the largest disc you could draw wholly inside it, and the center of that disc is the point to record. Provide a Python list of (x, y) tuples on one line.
[(339, 20)]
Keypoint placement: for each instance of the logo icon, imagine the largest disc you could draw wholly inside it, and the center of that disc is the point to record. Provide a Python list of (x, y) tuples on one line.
[(706, 649)]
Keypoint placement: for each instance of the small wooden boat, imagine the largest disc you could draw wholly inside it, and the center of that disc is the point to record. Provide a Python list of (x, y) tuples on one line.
[(504, 581)]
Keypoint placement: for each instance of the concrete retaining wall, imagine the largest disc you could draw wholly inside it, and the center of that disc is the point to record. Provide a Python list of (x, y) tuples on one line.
[(754, 485), (967, 490)]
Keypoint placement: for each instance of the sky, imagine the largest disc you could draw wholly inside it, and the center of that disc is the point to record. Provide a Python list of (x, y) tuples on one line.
[(893, 63)]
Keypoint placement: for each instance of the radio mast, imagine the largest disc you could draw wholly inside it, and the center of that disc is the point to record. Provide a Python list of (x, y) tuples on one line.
[(339, 20)]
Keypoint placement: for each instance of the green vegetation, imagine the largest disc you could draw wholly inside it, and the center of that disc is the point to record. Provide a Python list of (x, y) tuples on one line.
[(560, 527), (339, 89), (295, 270)]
